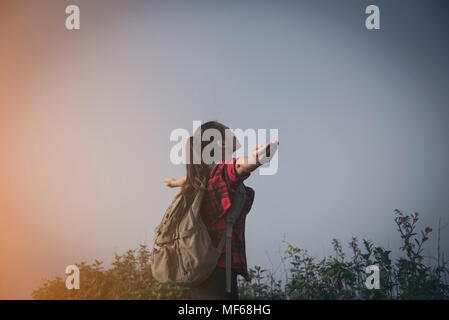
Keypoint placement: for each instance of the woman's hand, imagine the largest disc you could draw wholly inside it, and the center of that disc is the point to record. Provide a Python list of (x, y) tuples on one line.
[(170, 182), (261, 155), (173, 183)]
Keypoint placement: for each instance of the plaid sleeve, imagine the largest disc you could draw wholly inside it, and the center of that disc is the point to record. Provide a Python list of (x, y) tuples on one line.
[(223, 184), (232, 176)]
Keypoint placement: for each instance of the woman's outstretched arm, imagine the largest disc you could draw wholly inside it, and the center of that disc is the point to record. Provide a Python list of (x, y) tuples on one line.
[(261, 154)]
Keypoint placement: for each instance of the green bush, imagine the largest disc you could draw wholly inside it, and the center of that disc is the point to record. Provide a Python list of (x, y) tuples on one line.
[(334, 277), (128, 278)]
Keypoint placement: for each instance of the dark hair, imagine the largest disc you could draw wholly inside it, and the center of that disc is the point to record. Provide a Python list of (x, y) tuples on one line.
[(197, 174)]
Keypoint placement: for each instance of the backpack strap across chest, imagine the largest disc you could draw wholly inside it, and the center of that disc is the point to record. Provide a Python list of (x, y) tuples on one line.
[(234, 213)]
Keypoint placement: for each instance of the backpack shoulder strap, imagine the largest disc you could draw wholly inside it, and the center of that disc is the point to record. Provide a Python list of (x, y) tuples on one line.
[(234, 213)]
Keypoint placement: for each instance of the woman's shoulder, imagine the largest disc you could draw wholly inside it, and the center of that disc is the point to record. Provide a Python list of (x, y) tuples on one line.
[(224, 179), (223, 169)]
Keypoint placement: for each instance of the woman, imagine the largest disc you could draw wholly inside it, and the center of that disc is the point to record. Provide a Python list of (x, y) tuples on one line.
[(221, 181)]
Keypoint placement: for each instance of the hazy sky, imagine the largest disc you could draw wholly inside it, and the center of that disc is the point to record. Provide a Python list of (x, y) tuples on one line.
[(86, 116)]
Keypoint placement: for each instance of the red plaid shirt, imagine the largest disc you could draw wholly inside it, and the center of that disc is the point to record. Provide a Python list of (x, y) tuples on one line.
[(223, 182)]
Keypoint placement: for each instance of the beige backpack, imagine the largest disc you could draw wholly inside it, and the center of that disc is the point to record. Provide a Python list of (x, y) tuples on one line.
[(183, 253)]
